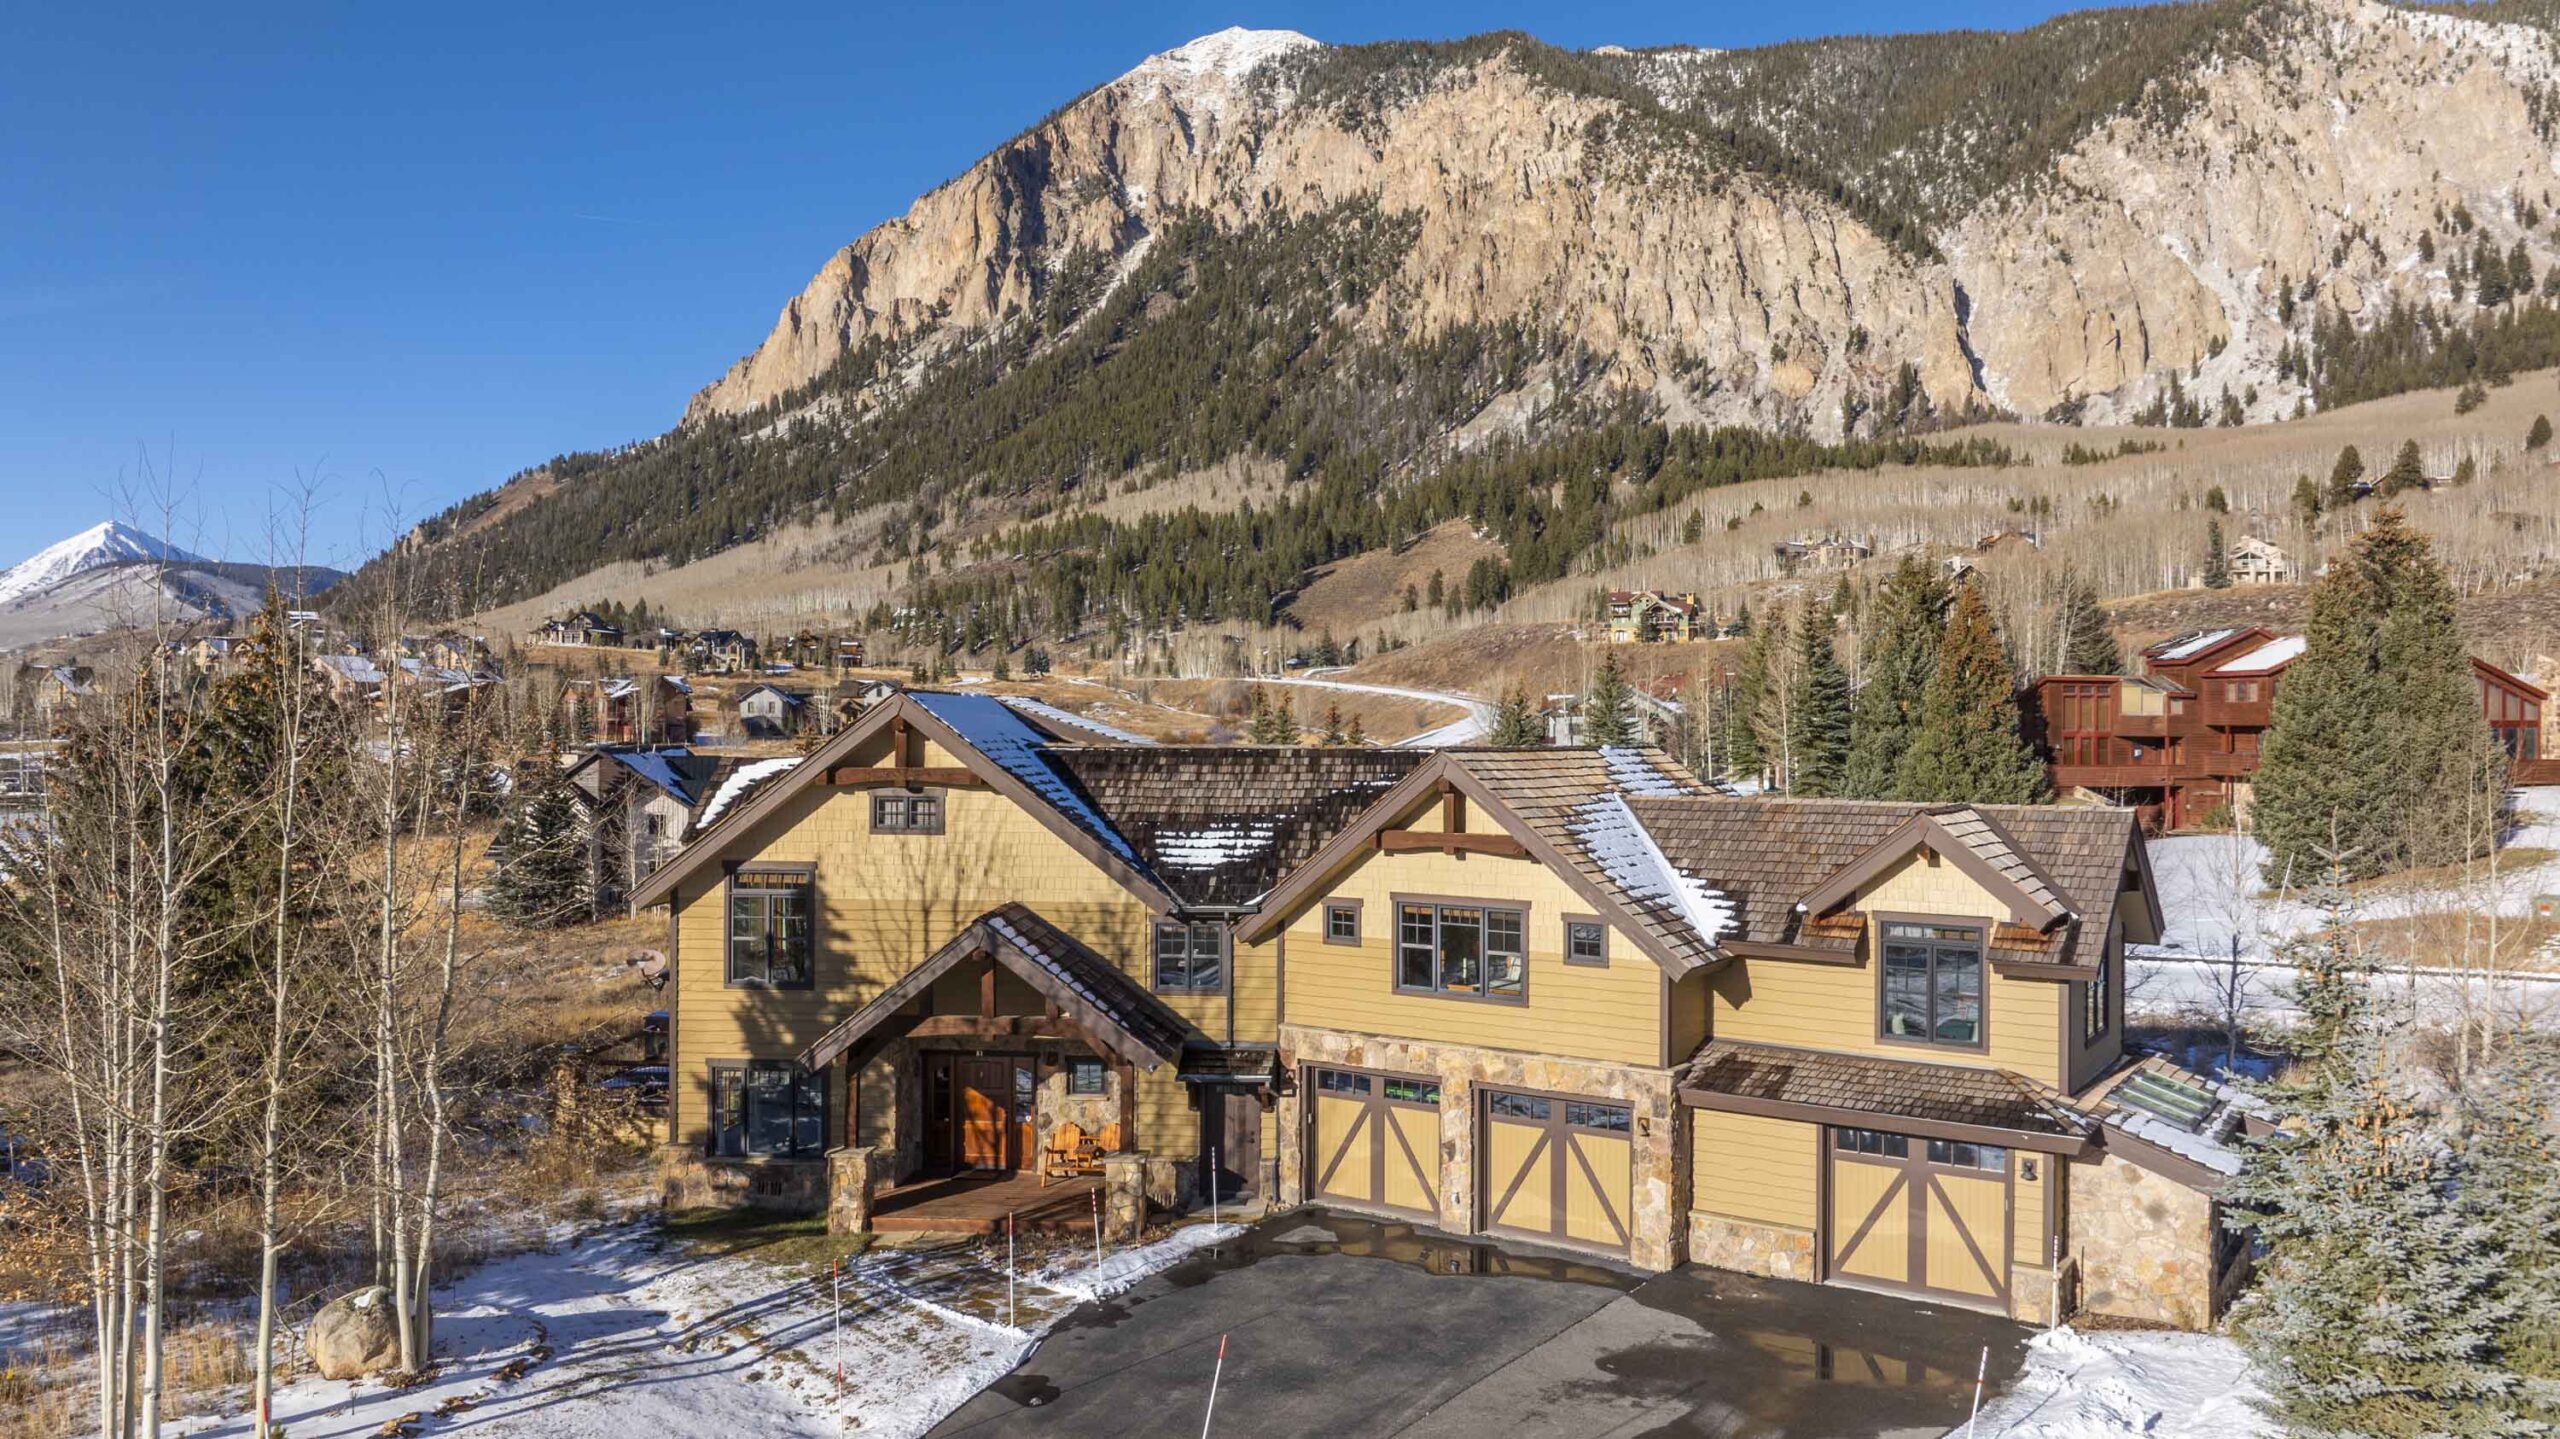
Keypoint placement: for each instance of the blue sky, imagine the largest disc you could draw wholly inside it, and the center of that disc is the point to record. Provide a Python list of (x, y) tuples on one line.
[(403, 251)]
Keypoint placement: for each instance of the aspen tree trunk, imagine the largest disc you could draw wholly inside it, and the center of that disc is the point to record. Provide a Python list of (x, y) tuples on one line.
[(291, 695)]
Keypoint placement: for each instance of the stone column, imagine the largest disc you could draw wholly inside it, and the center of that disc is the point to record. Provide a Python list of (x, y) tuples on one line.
[(852, 1174), (1124, 1196)]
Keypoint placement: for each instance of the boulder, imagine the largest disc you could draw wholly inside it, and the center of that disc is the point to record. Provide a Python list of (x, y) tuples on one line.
[(355, 1334)]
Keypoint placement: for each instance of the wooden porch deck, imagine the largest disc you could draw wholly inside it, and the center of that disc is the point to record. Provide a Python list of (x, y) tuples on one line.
[(978, 1204)]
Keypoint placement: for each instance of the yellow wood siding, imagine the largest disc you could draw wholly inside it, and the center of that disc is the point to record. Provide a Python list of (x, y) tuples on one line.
[(1745, 1166), (2029, 1254), (1831, 1006), (1612, 1013), (888, 901)]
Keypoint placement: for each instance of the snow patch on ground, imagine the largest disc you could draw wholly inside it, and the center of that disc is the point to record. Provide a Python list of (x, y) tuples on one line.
[(621, 1332), (2090, 1386)]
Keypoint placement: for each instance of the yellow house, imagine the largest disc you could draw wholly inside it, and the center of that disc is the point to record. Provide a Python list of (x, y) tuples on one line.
[(1565, 997)]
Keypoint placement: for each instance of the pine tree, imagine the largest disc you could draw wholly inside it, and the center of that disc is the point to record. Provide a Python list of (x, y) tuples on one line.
[(1608, 714), (2088, 645), (2511, 1184), (1333, 736), (2217, 561), (1272, 722), (2343, 477), (1897, 650), (2377, 1307), (2306, 500), (2407, 472), (2540, 435), (1818, 716), (1515, 724), (2376, 747), (1969, 747), (542, 877)]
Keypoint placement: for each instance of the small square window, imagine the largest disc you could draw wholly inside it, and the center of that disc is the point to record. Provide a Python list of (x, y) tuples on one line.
[(1084, 1076), (898, 812), (1586, 941), (1342, 924)]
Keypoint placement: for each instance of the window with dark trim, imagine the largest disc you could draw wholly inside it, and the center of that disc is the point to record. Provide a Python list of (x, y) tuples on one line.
[(770, 914), (1871, 1141), (767, 1109), (1342, 923), (1957, 1154), (2097, 995), (1586, 941), (1191, 957), (1464, 950), (1932, 984), (905, 812), (1084, 1075)]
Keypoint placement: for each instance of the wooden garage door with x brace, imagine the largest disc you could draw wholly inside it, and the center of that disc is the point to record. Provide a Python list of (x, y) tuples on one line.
[(1930, 1215), (1557, 1168), (1373, 1140)]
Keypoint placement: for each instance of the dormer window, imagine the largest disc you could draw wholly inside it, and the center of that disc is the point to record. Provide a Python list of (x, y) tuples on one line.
[(1932, 983)]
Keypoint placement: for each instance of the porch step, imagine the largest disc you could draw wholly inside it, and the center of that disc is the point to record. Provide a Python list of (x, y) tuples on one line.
[(979, 1206)]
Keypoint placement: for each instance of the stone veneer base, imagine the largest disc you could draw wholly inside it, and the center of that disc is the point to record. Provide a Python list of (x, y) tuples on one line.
[(1770, 1250)]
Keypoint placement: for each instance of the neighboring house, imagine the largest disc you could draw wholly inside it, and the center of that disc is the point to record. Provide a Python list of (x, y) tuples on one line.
[(583, 629), (722, 652), (2181, 741), (1649, 616), (2254, 561), (1571, 997), (348, 678), (59, 688), (1823, 552), (214, 655), (848, 653), (639, 805), (448, 650), (768, 711), (633, 711)]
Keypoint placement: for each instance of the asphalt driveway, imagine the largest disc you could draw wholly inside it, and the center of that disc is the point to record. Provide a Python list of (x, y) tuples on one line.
[(1344, 1326)]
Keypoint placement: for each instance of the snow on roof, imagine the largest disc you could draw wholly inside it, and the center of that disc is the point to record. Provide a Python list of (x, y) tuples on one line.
[(1620, 845), (1213, 845), (361, 670), (2204, 1149), (657, 767), (2267, 656), (986, 725), (2193, 644), (735, 787), (1055, 715), (1636, 774)]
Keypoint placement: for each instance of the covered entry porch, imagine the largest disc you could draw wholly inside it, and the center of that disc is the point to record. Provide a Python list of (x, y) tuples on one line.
[(1013, 1052)]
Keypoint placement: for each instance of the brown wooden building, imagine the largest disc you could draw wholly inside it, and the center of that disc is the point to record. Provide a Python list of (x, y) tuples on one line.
[(2181, 740)]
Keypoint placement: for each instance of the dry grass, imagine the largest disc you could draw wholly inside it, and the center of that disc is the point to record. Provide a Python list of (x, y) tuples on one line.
[(2458, 939), (800, 1241), (1353, 597)]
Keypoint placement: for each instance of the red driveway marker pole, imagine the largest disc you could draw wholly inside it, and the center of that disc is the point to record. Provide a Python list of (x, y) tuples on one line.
[(1221, 1368)]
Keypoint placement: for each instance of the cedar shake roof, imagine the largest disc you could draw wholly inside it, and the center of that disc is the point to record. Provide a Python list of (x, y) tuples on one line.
[(1093, 992), (1765, 855), (1218, 825), (1889, 1089), (1565, 796)]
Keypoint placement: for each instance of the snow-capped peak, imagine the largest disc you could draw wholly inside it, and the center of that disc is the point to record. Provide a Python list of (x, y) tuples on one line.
[(1202, 73), (111, 543)]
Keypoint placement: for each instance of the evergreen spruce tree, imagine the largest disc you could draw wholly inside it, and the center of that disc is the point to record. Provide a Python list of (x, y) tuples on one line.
[(1515, 724), (2088, 645), (2217, 561), (1897, 651), (2376, 748), (1333, 736), (2540, 434), (2377, 1308), (2407, 472), (1356, 737), (1608, 714), (2343, 477), (1969, 747), (542, 877), (2511, 1184), (2306, 499), (1818, 717)]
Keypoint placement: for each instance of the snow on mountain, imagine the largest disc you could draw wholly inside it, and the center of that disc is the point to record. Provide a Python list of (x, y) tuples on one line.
[(110, 543), (1203, 73)]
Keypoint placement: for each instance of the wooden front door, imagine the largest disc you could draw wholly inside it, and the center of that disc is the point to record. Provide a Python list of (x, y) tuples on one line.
[(1557, 1169), (1230, 1143), (983, 1093), (1373, 1141)]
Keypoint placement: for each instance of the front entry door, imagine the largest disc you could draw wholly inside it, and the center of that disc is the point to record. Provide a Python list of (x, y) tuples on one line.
[(1230, 1143), (983, 1096)]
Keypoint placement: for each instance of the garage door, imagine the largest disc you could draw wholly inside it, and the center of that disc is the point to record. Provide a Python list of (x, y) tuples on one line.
[(1930, 1215), (1373, 1141), (1556, 1168)]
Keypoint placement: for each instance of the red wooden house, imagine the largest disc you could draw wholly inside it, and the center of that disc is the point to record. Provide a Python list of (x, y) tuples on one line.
[(2181, 740)]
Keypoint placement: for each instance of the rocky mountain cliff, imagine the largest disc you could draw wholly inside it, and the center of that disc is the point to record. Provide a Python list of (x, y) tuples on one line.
[(2084, 209)]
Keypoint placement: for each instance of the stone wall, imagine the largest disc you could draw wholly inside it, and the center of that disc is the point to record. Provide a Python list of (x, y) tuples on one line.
[(2143, 1243), (853, 1180), (689, 1180), (1659, 1192), (1773, 1250)]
